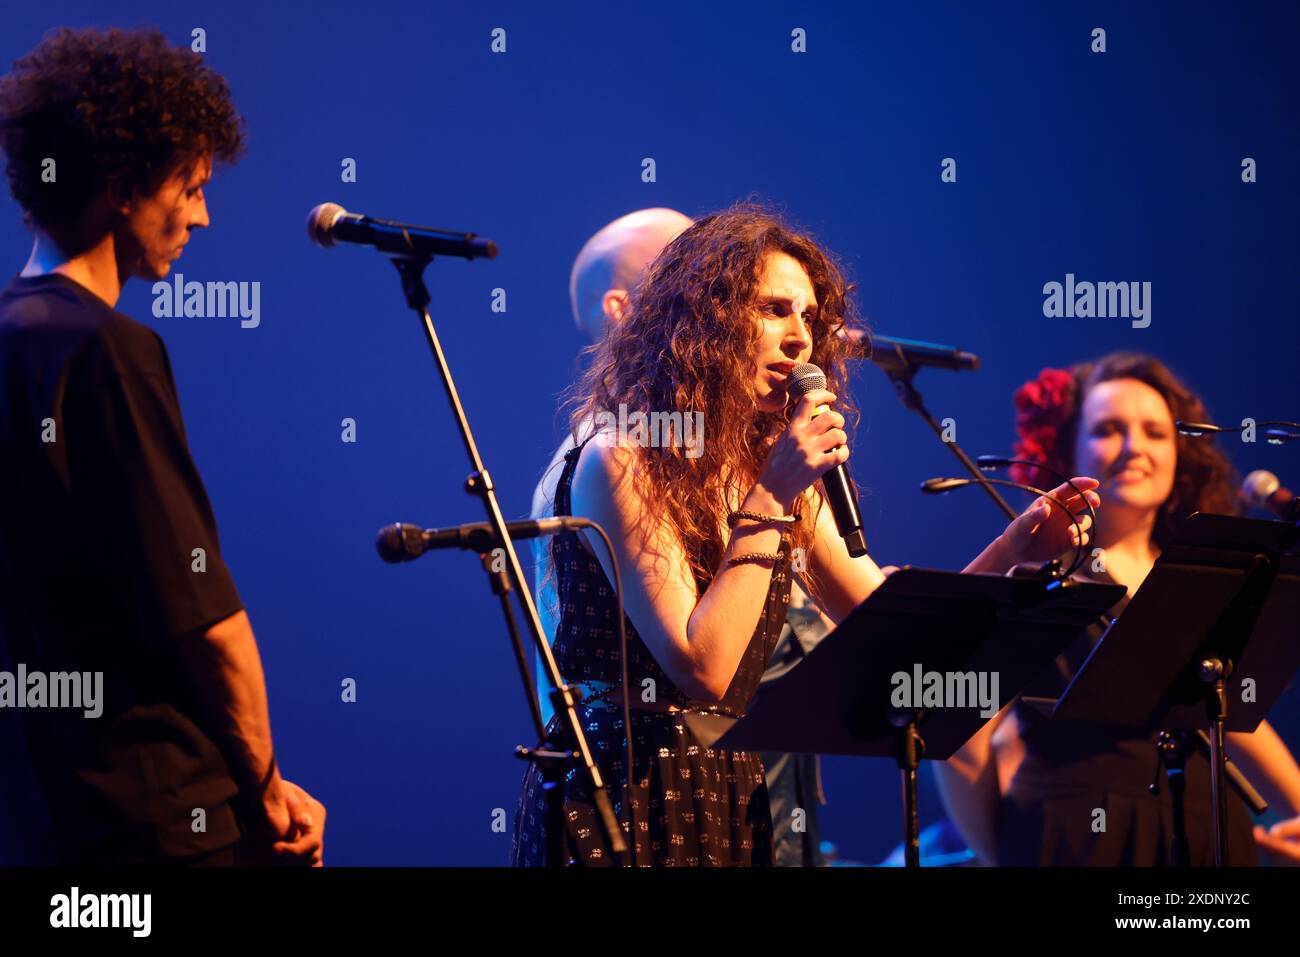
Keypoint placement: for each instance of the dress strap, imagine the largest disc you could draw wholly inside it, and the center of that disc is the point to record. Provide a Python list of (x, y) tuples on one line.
[(563, 505)]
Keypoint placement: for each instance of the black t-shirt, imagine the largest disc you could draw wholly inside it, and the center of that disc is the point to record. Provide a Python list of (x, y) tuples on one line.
[(101, 513)]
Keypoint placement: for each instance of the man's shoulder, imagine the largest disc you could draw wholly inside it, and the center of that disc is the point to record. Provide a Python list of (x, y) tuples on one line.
[(54, 324), (133, 347)]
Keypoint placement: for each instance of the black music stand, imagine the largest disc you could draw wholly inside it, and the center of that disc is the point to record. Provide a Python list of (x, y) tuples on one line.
[(1219, 607), (841, 699)]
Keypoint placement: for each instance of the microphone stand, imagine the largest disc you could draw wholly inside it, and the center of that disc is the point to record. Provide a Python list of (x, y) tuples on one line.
[(1173, 747), (911, 399), (574, 751), (502, 588)]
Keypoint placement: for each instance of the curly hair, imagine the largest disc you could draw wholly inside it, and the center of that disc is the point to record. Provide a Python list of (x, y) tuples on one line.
[(116, 110), (1048, 410), (687, 342)]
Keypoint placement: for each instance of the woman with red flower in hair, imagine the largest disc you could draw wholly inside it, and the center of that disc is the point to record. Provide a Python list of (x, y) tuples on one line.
[(1025, 790)]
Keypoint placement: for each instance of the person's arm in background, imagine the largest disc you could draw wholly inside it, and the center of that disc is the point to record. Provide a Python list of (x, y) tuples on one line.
[(225, 667), (1265, 759), (968, 786)]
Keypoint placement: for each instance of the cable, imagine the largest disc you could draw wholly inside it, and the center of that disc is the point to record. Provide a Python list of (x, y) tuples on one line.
[(940, 486)]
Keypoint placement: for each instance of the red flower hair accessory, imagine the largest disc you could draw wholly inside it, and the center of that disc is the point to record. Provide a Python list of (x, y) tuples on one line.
[(1043, 406)]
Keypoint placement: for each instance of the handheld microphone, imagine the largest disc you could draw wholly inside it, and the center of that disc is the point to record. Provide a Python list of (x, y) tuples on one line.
[(836, 483), (404, 543), (900, 355), (1262, 489), (329, 224)]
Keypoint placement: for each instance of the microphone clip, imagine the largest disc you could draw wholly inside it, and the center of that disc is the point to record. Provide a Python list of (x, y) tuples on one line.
[(1051, 573)]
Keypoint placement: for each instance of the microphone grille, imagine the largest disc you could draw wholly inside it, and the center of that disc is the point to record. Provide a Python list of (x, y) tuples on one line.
[(320, 223), (805, 377), (399, 543), (1258, 486)]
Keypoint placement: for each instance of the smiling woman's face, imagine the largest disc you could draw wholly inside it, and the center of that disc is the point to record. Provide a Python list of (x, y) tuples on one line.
[(1126, 441)]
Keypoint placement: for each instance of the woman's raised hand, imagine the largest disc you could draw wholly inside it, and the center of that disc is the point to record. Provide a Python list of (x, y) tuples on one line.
[(1043, 531), (809, 447)]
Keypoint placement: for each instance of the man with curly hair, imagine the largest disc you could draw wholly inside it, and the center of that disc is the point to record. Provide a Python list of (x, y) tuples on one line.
[(110, 565)]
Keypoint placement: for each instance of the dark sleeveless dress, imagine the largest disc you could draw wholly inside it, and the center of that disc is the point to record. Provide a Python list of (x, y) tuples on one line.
[(1069, 770), (704, 807)]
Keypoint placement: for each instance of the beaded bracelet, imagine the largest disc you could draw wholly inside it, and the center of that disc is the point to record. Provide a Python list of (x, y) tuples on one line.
[(755, 557), (737, 515)]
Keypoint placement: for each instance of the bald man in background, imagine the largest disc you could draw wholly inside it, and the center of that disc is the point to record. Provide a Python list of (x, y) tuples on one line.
[(607, 267)]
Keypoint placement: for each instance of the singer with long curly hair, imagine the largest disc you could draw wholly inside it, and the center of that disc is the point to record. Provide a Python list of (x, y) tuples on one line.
[(707, 534)]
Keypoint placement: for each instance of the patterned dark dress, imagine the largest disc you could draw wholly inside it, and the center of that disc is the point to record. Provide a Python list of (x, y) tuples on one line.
[(703, 807), (1071, 770)]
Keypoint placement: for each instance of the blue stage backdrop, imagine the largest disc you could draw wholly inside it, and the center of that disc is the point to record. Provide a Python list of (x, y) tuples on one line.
[(1122, 165)]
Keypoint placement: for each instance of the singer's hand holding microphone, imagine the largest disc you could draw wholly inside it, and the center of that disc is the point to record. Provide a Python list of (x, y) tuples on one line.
[(815, 446), (813, 443)]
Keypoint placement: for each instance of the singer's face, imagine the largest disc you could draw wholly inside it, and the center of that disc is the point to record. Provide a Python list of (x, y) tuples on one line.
[(787, 307), (157, 226), (1127, 442)]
